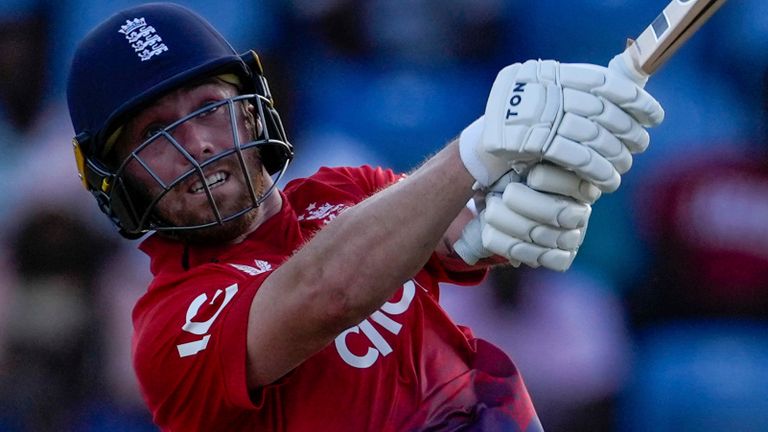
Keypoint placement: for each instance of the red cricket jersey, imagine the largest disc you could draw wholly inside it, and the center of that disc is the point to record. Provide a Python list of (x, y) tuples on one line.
[(407, 367)]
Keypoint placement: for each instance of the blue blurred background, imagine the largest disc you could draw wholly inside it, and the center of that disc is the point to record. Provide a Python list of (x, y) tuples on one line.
[(661, 325)]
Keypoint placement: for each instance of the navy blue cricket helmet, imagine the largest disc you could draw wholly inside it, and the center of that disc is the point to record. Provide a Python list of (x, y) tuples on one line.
[(132, 59)]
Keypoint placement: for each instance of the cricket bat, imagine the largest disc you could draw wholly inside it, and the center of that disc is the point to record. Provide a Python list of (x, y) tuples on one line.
[(666, 34)]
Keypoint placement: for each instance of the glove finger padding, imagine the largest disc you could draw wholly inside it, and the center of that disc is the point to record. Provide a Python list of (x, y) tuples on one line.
[(625, 127), (584, 161), (594, 136), (513, 224), (530, 254), (545, 177), (615, 88), (553, 210), (606, 114)]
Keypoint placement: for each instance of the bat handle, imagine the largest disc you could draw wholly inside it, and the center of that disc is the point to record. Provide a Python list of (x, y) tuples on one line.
[(626, 64)]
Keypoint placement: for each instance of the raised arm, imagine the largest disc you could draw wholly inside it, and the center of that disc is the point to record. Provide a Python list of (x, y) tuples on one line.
[(581, 118), (353, 265)]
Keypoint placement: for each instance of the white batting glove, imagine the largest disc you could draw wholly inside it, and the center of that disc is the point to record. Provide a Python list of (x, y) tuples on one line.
[(585, 118), (484, 167), (543, 227)]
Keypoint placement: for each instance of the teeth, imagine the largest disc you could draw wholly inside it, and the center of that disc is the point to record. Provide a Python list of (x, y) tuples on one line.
[(212, 181)]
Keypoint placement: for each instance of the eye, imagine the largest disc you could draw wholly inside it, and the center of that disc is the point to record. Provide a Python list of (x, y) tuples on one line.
[(211, 108), (152, 130)]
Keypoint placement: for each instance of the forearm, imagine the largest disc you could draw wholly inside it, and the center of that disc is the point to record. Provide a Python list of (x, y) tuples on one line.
[(372, 248)]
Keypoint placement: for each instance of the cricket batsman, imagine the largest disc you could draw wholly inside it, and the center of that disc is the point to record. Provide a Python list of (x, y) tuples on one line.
[(316, 307)]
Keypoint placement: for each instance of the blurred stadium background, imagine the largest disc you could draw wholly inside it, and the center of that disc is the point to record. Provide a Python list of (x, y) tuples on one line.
[(661, 325)]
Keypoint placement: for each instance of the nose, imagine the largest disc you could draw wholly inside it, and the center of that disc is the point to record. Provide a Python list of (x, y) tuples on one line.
[(196, 140)]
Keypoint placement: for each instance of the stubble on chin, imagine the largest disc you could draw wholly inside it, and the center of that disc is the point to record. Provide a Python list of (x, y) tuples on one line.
[(181, 215), (216, 234)]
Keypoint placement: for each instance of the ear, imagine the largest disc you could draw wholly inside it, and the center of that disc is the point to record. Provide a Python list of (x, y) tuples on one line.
[(253, 120), (259, 127)]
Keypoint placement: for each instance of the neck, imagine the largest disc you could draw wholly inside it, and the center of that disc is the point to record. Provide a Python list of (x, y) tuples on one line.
[(270, 207)]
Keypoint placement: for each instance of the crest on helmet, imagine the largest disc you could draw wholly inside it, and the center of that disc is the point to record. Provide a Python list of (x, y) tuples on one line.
[(143, 38)]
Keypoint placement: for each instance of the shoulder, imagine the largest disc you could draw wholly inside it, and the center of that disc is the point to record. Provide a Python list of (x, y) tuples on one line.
[(364, 178), (330, 191)]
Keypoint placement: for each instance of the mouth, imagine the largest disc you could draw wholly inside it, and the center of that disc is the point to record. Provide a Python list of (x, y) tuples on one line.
[(212, 181)]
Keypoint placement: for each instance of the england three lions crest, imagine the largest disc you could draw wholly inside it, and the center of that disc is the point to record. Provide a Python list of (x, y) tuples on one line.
[(143, 38)]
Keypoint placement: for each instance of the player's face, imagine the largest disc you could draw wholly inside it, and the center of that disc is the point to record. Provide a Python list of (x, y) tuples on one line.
[(202, 138)]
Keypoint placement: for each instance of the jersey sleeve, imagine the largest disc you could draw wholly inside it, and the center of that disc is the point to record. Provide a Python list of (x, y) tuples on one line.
[(190, 350), (360, 181)]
